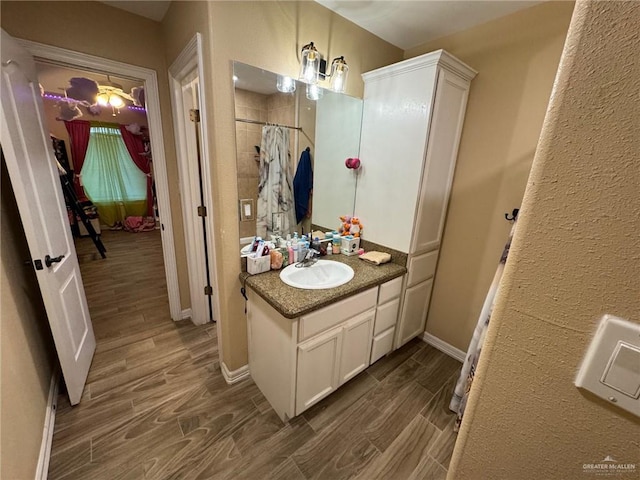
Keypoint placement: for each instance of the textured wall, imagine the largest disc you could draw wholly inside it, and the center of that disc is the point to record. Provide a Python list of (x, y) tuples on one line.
[(266, 35), (576, 256), (27, 357), (104, 31), (517, 58)]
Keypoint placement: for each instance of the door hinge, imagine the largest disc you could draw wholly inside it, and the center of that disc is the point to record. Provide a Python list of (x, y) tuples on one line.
[(202, 211), (208, 290), (194, 115)]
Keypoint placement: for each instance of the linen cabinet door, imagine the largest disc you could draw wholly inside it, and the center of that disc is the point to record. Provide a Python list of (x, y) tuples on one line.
[(414, 311), (356, 345), (318, 368)]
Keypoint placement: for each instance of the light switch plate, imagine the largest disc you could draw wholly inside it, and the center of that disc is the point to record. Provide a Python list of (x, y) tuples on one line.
[(611, 366), (246, 210)]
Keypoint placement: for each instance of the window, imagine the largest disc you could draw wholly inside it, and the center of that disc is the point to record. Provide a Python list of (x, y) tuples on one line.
[(110, 178)]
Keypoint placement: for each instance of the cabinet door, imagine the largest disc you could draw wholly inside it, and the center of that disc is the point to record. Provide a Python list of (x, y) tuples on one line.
[(414, 311), (440, 160), (318, 368), (356, 345)]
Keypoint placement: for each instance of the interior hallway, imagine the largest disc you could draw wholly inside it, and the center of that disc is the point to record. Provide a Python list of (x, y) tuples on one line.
[(156, 405)]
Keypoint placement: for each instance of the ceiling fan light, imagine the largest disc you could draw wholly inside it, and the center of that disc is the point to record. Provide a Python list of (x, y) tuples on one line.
[(103, 100), (115, 101)]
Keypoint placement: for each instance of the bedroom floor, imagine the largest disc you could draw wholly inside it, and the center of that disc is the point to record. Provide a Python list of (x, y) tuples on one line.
[(156, 405)]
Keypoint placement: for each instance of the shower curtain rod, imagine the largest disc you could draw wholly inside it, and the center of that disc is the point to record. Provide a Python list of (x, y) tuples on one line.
[(246, 120)]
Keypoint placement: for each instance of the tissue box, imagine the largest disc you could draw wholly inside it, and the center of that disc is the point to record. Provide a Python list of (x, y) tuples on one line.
[(350, 245), (258, 264)]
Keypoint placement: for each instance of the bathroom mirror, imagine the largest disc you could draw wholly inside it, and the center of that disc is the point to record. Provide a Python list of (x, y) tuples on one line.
[(328, 126)]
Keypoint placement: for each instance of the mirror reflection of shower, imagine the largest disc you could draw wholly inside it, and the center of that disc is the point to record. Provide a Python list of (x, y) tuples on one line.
[(321, 134)]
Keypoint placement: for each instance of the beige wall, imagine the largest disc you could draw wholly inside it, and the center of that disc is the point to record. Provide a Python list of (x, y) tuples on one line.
[(517, 57), (27, 356), (267, 35), (97, 29), (574, 258)]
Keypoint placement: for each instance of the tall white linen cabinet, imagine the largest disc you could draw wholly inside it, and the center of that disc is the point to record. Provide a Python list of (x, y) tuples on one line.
[(411, 127)]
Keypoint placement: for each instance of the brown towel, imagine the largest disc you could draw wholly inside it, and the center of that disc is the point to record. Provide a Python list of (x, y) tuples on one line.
[(376, 257)]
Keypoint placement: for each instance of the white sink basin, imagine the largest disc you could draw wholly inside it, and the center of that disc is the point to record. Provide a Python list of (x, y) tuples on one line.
[(322, 274)]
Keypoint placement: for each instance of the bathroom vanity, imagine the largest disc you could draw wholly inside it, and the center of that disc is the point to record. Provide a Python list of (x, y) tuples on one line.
[(305, 344)]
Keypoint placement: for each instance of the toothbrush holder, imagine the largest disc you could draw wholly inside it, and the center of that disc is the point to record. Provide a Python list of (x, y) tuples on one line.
[(350, 245)]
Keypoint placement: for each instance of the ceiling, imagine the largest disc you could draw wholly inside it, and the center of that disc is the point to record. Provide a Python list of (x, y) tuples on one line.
[(154, 10), (54, 79), (405, 24)]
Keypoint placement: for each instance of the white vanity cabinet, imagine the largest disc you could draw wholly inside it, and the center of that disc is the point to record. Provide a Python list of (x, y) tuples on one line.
[(411, 128), (298, 362)]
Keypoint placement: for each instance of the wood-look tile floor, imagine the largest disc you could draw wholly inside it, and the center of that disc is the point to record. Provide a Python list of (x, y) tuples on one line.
[(157, 407)]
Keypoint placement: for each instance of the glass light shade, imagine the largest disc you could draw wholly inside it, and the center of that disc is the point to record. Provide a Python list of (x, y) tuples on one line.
[(285, 84), (309, 64), (314, 92), (103, 100), (339, 74), (115, 101)]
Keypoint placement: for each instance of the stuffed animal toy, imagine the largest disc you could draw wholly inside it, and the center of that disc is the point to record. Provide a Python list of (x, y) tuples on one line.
[(356, 227), (350, 226), (345, 226)]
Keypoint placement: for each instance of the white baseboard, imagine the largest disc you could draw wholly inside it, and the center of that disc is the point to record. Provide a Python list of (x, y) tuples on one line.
[(444, 347), (42, 469), (185, 314), (235, 376)]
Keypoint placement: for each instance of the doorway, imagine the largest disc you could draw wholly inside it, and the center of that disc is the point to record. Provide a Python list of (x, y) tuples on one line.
[(188, 103), (58, 56)]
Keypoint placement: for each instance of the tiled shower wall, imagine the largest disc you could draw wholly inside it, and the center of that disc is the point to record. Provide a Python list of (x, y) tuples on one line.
[(276, 108)]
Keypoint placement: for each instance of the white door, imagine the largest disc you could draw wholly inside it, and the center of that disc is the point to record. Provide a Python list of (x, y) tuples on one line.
[(193, 198), (34, 176)]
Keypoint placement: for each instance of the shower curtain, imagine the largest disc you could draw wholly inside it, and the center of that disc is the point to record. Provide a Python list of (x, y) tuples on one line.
[(276, 207), (461, 393)]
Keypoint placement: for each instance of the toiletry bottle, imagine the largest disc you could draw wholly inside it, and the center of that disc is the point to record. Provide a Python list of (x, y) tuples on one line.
[(330, 247), (295, 247), (337, 243), (290, 257), (303, 248), (316, 244)]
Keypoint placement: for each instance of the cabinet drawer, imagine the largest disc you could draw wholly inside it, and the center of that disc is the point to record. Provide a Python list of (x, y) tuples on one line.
[(390, 290), (382, 344), (422, 267), (386, 316), (327, 317)]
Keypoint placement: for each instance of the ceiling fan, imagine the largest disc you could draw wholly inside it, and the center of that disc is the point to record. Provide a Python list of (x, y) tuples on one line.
[(111, 94)]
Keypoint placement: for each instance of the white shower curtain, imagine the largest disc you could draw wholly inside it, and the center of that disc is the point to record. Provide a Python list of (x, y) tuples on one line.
[(276, 207)]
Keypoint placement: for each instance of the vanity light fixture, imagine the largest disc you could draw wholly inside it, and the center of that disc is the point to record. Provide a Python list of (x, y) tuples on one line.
[(309, 64), (285, 84), (313, 67), (314, 92), (339, 74)]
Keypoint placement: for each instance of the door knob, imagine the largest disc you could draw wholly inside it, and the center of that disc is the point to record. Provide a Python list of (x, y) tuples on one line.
[(48, 261)]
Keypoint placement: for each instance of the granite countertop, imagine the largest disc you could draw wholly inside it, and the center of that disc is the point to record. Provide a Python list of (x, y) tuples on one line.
[(293, 302)]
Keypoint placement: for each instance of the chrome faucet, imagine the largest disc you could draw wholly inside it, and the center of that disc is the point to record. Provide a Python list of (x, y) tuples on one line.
[(309, 259)]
